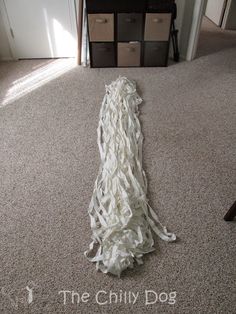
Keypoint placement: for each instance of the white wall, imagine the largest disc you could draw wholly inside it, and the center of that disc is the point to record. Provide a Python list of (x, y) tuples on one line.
[(5, 52), (190, 14), (215, 10), (185, 16), (180, 12)]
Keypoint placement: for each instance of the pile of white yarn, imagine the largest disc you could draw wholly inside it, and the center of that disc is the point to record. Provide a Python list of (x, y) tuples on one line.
[(121, 219)]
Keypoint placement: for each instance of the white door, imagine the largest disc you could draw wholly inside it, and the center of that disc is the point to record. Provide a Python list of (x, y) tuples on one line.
[(215, 10), (42, 28)]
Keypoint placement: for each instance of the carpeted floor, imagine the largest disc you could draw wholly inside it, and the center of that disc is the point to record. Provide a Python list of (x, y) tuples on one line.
[(214, 39), (48, 163)]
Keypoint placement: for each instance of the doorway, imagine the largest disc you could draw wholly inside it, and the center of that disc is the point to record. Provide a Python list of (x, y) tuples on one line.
[(205, 35), (213, 38)]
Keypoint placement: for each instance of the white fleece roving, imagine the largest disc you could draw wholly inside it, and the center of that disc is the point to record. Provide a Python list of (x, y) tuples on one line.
[(121, 219)]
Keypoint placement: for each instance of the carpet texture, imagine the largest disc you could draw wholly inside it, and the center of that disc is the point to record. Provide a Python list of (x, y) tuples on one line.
[(49, 160), (214, 39)]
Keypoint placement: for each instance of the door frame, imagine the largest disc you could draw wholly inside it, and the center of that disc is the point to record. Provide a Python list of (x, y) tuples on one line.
[(228, 7), (198, 12)]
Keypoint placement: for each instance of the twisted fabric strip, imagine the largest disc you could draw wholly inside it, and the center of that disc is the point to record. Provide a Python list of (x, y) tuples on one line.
[(121, 219)]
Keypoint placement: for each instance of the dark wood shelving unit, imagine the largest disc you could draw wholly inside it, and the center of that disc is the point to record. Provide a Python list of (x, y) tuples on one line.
[(131, 33)]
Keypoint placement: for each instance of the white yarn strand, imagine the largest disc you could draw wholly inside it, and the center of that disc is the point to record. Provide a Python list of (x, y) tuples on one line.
[(121, 219)]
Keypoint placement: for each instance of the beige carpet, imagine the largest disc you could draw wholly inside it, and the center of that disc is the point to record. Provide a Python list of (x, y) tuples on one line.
[(214, 39), (48, 163)]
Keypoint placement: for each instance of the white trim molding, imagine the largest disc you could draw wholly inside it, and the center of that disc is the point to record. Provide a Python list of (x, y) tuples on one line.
[(198, 12)]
